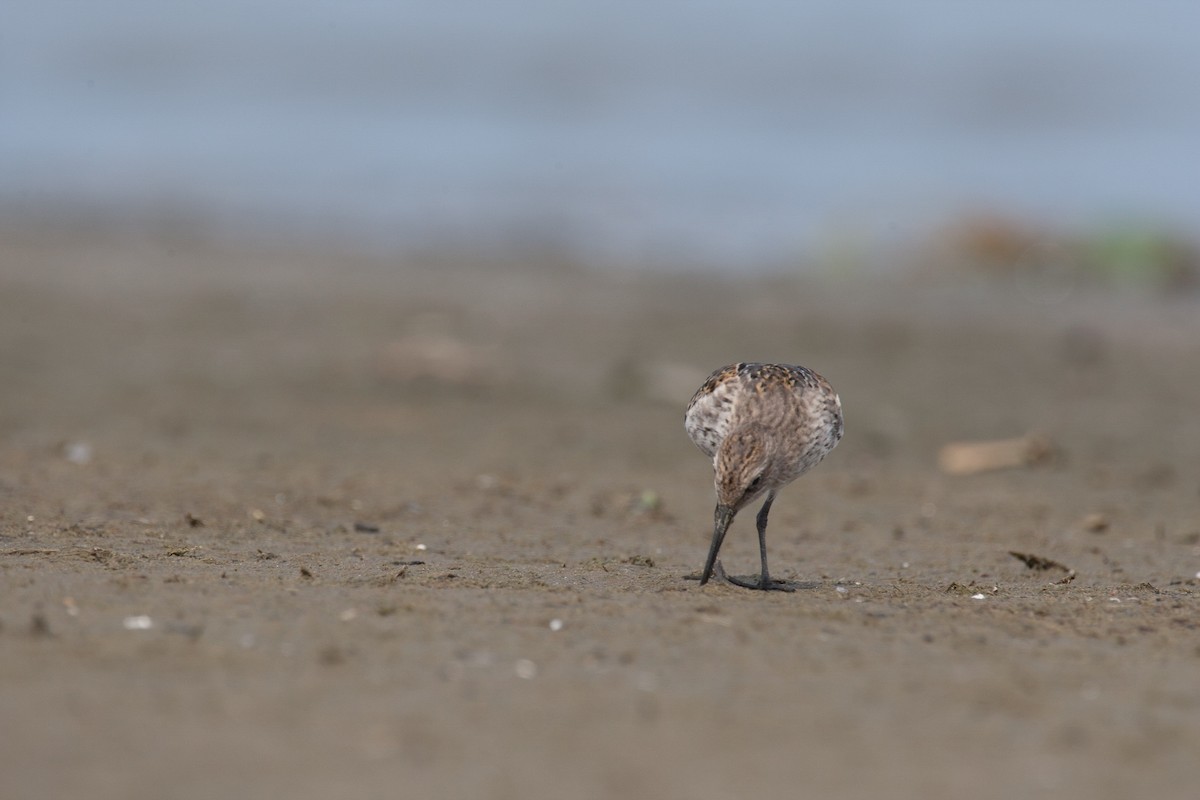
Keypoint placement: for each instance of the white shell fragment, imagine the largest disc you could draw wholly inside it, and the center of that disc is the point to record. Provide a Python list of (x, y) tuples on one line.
[(138, 623), (78, 452), (556, 624), (525, 669)]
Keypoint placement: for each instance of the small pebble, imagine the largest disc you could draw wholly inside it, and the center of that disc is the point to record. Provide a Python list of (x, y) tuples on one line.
[(138, 623), (525, 669), (556, 624), (979, 596), (78, 452)]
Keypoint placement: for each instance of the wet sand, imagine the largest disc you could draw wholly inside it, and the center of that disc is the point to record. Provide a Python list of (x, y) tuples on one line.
[(298, 523)]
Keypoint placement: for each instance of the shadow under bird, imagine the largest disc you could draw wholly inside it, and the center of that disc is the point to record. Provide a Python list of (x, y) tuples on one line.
[(763, 425)]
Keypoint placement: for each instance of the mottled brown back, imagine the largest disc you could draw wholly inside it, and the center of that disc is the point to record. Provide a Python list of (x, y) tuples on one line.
[(797, 408)]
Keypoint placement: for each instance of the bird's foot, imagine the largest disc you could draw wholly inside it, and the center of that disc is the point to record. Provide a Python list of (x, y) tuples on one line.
[(771, 585), (719, 576)]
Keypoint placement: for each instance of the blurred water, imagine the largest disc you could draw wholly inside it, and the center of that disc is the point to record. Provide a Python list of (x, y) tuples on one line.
[(713, 133)]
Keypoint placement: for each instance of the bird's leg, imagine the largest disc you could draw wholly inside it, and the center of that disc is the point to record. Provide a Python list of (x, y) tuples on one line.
[(764, 580), (761, 523)]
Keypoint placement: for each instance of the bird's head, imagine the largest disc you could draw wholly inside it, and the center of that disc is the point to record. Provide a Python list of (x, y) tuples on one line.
[(744, 467)]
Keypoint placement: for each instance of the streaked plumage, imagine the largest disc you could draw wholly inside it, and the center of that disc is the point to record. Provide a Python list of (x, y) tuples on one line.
[(763, 425)]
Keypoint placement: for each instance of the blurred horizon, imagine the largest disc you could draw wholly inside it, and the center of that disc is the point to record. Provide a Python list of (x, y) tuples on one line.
[(728, 137)]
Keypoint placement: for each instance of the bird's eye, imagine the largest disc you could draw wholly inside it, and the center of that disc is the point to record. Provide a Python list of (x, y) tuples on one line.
[(756, 483)]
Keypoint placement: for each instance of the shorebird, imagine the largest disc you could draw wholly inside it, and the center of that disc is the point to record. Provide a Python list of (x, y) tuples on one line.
[(763, 425)]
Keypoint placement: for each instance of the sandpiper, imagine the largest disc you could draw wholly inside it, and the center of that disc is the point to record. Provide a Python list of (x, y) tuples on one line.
[(763, 425)]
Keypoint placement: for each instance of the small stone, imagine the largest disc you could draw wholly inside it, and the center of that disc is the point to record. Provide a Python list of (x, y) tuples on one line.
[(78, 452), (39, 626)]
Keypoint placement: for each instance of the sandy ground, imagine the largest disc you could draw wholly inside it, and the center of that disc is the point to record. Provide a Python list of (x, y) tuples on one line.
[(287, 523)]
